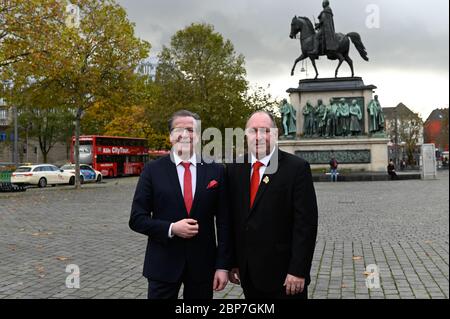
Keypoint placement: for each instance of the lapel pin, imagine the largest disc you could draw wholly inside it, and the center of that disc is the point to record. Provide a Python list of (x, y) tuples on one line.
[(266, 179)]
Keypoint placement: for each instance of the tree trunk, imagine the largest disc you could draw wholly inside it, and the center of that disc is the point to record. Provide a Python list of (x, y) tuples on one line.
[(77, 148), (44, 156)]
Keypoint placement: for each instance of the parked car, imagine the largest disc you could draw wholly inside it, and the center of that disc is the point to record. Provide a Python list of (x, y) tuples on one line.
[(88, 174), (41, 175)]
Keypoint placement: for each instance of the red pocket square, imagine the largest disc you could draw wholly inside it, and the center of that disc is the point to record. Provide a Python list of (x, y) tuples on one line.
[(212, 184)]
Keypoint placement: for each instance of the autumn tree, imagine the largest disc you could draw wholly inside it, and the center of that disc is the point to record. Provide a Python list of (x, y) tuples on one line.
[(259, 99), (201, 71), (125, 114), (25, 28), (43, 117), (88, 61), (131, 122), (408, 131), (99, 57)]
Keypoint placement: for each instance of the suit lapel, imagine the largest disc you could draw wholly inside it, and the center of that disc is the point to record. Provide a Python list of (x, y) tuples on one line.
[(245, 172), (265, 182), (261, 189), (173, 180)]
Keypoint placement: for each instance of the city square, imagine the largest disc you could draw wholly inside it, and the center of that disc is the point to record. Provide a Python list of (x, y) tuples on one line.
[(149, 149), (400, 226)]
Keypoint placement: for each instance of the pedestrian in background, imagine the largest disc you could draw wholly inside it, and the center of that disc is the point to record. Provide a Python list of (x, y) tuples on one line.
[(333, 169), (391, 170)]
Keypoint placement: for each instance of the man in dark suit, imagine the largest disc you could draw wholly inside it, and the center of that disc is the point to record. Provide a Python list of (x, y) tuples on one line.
[(274, 215), (177, 200)]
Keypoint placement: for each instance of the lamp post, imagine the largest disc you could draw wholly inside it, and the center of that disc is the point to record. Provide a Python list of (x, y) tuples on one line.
[(73, 21), (16, 131), (396, 139), (8, 84)]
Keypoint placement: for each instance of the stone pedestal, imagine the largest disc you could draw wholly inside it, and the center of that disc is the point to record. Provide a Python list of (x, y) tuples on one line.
[(327, 88), (357, 153)]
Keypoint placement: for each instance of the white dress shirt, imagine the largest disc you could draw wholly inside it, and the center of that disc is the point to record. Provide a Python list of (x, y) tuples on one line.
[(265, 161), (180, 172)]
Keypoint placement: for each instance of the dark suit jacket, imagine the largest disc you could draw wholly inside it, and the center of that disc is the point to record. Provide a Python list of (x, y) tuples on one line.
[(158, 202), (278, 235)]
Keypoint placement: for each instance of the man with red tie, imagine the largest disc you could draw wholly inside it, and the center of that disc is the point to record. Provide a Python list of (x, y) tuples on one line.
[(273, 208), (178, 202)]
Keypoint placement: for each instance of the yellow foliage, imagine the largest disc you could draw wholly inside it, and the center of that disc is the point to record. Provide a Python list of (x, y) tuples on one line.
[(132, 122)]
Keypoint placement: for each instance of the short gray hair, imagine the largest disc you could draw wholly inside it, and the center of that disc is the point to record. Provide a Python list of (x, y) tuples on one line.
[(182, 113), (270, 115)]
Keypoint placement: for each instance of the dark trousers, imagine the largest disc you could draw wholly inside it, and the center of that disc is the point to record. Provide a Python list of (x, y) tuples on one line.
[(251, 292), (191, 290), (393, 175)]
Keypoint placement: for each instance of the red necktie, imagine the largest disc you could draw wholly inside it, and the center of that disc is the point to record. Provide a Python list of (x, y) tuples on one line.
[(187, 186), (254, 182)]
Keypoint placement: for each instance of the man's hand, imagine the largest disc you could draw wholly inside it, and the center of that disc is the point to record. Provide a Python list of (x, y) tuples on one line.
[(294, 285), (234, 277), (185, 228), (220, 280)]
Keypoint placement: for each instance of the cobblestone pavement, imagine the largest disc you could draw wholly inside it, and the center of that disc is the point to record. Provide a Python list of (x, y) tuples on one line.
[(400, 226)]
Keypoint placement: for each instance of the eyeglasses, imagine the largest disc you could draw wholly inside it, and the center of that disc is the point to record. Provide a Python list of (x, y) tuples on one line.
[(181, 130), (259, 130)]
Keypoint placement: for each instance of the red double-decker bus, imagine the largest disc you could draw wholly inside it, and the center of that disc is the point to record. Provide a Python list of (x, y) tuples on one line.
[(112, 155), (155, 154)]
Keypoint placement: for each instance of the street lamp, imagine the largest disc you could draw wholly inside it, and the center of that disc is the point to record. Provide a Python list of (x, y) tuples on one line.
[(73, 21), (304, 68), (16, 132), (396, 138), (9, 85)]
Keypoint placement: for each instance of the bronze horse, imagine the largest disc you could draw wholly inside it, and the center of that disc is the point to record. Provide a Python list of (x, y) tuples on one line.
[(307, 38)]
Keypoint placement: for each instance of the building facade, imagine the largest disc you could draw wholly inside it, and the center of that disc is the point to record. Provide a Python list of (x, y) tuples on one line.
[(405, 131), (436, 129), (28, 148)]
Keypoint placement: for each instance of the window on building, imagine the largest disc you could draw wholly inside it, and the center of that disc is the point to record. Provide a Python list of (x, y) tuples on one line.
[(3, 114)]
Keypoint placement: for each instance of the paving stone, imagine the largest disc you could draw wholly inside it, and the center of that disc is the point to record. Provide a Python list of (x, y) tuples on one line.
[(398, 226)]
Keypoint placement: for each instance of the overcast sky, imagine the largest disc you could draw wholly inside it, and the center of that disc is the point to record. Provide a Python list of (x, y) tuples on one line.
[(408, 50)]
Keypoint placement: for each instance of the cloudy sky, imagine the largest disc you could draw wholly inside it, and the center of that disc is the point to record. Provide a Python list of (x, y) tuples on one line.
[(407, 43)]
